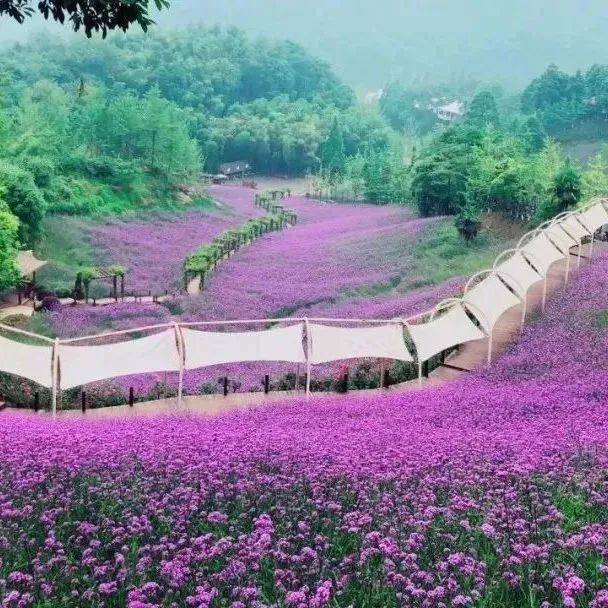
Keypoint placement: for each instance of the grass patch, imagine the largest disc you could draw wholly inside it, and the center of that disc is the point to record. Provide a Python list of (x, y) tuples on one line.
[(601, 319), (442, 253), (67, 246)]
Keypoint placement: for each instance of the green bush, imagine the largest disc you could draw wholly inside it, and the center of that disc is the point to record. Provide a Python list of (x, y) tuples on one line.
[(24, 200)]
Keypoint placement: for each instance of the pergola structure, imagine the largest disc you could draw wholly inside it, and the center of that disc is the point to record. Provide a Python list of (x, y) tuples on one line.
[(28, 264)]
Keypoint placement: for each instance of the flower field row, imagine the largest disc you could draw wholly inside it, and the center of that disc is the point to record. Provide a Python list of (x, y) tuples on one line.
[(153, 250), (488, 492), (205, 259)]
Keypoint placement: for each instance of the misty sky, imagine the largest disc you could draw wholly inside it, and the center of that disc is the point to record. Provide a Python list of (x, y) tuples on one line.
[(426, 41)]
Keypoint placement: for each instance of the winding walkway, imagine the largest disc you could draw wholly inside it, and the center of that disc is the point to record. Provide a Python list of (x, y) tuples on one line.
[(471, 356)]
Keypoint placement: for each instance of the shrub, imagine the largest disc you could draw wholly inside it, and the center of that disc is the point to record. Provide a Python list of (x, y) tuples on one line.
[(50, 304)]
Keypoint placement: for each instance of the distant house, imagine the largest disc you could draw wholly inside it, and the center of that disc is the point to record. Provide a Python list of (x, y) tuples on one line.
[(372, 98), (238, 168), (450, 112)]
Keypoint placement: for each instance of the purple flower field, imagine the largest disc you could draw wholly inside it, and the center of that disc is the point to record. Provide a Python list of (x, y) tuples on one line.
[(153, 251), (491, 492), (332, 249), (314, 268)]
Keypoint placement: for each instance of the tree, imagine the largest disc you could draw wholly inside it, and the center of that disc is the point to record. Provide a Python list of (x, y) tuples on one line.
[(533, 134), (468, 220), (565, 192), (332, 150), (594, 180), (567, 187), (483, 111), (441, 174), (23, 199), (9, 228), (92, 15)]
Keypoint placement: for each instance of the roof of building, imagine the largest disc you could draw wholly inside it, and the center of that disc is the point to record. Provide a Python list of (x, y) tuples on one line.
[(237, 166), (452, 108), (28, 263)]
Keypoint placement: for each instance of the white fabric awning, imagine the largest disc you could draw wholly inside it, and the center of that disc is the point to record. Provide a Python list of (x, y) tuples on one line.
[(595, 217), (574, 228), (340, 343), (449, 330), (543, 254), (492, 298), (27, 263), (518, 274), (214, 348), (83, 364), (561, 239), (27, 361)]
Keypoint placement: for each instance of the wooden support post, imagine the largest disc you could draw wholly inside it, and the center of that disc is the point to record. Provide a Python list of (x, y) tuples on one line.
[(266, 384), (225, 386), (55, 377), (425, 369), (308, 356), (345, 380), (386, 382), (83, 404), (131, 397), (36, 401)]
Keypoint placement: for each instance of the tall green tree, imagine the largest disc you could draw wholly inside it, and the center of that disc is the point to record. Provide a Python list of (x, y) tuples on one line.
[(332, 149), (567, 187), (483, 111), (9, 228)]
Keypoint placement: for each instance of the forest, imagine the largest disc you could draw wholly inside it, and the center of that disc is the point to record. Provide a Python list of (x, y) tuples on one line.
[(91, 127)]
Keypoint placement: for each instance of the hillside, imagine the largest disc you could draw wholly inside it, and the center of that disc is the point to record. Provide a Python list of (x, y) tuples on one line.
[(454, 494)]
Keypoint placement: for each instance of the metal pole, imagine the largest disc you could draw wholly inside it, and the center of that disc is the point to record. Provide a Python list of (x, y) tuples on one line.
[(308, 350), (490, 340), (179, 338), (55, 377)]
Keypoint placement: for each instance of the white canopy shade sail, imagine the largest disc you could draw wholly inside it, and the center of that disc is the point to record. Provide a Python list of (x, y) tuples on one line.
[(339, 343), (543, 254), (27, 263), (449, 330), (518, 274), (492, 298), (574, 228), (83, 364), (560, 238), (595, 217), (27, 361), (205, 348)]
